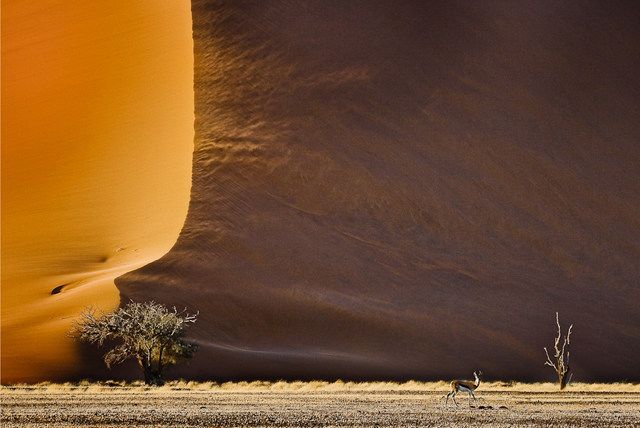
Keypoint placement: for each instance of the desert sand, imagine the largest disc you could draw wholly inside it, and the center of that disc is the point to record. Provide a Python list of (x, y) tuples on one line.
[(380, 187), (97, 140), (313, 404)]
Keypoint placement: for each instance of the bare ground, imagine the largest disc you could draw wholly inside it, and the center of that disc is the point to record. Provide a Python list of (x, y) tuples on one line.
[(314, 404)]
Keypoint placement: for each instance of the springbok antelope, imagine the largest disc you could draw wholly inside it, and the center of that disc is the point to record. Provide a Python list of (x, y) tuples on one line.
[(464, 386)]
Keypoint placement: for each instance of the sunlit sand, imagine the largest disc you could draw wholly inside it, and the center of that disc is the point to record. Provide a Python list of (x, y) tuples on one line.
[(97, 139)]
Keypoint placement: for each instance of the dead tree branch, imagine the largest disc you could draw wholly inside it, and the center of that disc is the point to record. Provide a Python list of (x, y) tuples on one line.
[(560, 361)]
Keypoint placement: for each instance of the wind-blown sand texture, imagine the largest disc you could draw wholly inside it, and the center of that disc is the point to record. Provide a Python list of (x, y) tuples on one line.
[(317, 404), (97, 141), (410, 189)]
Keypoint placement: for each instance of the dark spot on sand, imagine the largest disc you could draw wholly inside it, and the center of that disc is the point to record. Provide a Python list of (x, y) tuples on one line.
[(58, 289)]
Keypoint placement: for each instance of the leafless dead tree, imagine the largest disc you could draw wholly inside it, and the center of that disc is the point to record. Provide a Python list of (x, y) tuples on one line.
[(560, 362)]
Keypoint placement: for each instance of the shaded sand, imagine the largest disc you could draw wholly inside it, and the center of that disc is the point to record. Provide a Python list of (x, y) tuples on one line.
[(97, 139), (380, 186), (317, 404)]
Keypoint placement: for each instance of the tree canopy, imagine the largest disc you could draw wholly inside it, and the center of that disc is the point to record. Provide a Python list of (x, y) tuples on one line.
[(148, 332)]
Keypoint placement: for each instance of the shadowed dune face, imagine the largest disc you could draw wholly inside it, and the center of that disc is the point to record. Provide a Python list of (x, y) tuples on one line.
[(97, 140), (410, 189)]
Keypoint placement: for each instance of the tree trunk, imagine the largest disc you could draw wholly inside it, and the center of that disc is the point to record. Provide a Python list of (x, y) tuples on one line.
[(148, 374), (152, 377), (563, 379)]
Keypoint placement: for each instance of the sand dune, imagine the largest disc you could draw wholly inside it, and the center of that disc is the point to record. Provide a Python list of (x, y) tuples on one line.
[(97, 139), (381, 190), (410, 190)]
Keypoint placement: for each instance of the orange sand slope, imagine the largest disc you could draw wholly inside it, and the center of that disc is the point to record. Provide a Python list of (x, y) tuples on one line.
[(97, 139)]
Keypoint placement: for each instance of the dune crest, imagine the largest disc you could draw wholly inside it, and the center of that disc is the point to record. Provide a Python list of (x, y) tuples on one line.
[(97, 141)]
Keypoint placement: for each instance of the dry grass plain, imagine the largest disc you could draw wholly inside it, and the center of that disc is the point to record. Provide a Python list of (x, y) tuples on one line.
[(306, 404)]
